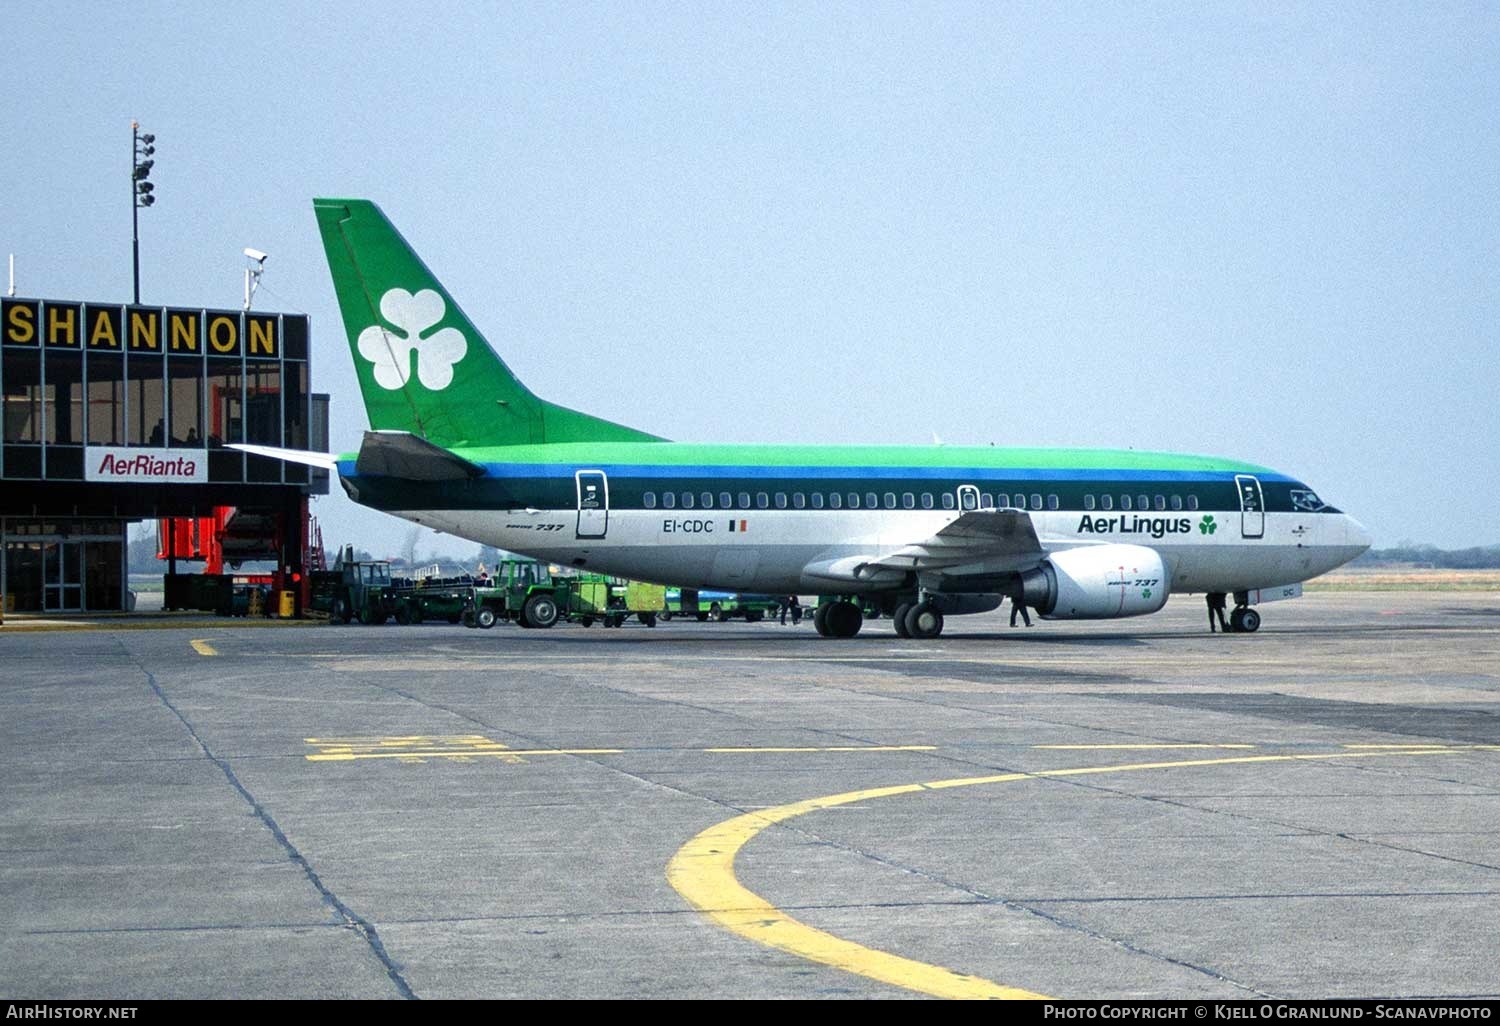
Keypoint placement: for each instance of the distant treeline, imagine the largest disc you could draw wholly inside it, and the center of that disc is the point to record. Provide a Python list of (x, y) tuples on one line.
[(1480, 558)]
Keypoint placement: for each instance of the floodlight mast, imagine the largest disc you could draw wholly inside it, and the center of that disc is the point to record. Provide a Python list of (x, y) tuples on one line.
[(142, 146)]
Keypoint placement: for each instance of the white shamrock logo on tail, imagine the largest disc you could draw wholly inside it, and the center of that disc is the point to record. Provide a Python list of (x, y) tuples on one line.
[(391, 353)]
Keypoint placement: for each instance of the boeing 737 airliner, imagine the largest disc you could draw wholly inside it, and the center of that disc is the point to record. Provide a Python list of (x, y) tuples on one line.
[(459, 445)]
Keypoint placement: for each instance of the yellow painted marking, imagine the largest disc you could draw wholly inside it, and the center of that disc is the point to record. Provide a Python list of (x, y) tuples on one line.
[(1105, 748), (840, 748), (506, 753), (463, 747), (203, 648), (1399, 747), (412, 749), (702, 871)]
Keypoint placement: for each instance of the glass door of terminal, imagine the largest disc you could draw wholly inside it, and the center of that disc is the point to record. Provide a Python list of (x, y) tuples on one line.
[(62, 577)]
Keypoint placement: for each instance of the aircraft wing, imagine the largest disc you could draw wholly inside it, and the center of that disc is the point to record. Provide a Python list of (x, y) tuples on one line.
[(978, 536), (405, 455)]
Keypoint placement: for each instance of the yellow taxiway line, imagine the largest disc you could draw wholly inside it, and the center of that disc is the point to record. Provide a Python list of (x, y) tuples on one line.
[(702, 871), (468, 746)]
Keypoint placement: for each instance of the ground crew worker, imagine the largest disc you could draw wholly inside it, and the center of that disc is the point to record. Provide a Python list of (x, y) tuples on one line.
[(1018, 602), (1216, 608)]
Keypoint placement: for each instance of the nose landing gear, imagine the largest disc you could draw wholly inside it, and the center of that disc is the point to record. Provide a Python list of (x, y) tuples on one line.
[(1244, 620)]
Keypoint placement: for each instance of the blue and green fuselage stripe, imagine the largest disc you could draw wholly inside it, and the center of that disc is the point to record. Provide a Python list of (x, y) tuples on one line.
[(543, 476)]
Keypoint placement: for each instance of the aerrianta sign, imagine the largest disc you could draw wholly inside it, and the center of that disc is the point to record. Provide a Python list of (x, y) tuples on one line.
[(145, 466)]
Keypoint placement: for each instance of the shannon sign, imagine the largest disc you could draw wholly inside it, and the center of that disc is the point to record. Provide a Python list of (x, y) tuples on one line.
[(111, 328)]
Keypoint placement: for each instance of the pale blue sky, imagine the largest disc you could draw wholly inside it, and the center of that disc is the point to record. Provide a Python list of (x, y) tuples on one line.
[(1260, 231)]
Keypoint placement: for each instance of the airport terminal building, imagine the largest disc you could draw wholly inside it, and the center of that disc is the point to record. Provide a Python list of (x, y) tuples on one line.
[(113, 414)]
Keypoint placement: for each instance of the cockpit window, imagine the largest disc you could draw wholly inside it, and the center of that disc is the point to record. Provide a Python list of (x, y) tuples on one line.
[(1306, 500)]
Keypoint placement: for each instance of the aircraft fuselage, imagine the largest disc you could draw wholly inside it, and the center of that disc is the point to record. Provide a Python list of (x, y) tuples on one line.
[(754, 518)]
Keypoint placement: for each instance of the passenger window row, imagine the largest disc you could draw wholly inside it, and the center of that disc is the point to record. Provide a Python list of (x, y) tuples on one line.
[(891, 500), (1143, 503)]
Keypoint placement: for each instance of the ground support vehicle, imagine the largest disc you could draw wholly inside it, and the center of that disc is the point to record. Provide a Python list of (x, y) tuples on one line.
[(444, 598), (522, 591), (634, 598), (585, 598), (728, 605), (354, 591)]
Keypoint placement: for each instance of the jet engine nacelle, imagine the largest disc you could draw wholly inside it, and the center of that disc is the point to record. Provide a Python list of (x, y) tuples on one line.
[(1098, 582)]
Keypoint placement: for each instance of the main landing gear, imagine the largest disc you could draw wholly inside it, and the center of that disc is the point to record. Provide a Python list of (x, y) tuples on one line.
[(921, 620), (838, 619)]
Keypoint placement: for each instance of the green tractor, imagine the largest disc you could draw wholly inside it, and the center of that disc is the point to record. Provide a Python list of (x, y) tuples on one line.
[(522, 590), (354, 590)]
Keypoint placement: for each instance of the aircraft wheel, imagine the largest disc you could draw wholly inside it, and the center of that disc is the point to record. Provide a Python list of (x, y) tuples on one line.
[(924, 621), (844, 620), (898, 619), (541, 611), (1244, 620), (485, 617), (820, 619)]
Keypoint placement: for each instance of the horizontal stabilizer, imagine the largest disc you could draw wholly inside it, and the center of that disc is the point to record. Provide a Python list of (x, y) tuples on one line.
[(324, 460), (404, 455)]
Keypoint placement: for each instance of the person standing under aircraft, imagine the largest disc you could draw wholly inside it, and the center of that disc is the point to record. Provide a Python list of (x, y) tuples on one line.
[(1018, 603), (1216, 602)]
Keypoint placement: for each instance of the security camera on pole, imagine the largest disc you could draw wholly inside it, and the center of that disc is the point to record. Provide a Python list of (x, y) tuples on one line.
[(142, 146), (253, 271)]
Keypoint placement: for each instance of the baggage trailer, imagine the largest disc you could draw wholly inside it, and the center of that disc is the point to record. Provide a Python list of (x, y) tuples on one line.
[(443, 598), (635, 598), (611, 601), (751, 608)]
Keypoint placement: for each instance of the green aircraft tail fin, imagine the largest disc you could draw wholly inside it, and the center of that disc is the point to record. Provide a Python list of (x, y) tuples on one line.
[(422, 366)]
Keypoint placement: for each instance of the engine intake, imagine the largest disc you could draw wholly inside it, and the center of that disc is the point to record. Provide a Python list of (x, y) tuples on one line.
[(1098, 582)]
